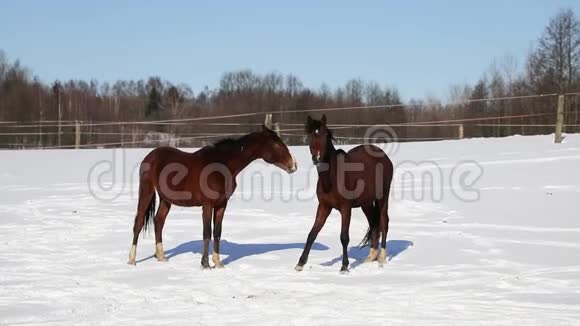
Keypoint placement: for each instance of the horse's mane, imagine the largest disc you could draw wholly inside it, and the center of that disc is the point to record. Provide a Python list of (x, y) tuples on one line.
[(230, 143)]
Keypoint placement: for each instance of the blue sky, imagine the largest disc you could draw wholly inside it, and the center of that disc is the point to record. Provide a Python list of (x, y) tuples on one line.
[(421, 47)]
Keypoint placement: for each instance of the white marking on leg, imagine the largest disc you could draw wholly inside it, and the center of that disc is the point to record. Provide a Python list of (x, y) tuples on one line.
[(132, 254), (372, 255), (159, 252), (216, 260), (383, 256)]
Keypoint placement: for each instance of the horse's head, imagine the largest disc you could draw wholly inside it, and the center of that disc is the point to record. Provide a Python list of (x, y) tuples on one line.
[(319, 139), (274, 151)]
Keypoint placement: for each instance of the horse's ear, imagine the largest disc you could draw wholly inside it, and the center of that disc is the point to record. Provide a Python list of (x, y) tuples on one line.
[(323, 119)]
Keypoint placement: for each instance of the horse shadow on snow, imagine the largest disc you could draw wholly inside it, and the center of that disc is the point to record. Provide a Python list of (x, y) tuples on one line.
[(394, 248), (236, 251)]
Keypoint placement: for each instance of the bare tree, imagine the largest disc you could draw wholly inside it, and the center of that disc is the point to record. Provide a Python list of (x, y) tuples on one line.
[(557, 58), (373, 94), (354, 91)]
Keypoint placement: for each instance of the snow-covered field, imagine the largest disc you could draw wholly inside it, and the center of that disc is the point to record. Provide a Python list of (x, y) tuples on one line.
[(482, 231)]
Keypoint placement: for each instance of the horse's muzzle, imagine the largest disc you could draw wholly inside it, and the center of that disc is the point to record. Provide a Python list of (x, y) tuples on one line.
[(293, 167), (315, 159)]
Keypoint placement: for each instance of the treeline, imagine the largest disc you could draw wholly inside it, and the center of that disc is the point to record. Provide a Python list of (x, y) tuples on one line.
[(35, 107)]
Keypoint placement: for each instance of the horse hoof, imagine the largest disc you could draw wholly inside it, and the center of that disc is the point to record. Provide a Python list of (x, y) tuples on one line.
[(299, 268), (383, 256), (162, 259), (370, 259), (373, 254), (132, 262), (217, 261), (344, 270)]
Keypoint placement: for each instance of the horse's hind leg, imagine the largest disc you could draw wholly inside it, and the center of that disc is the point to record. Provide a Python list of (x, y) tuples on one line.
[(206, 214), (372, 213), (146, 194), (384, 228), (162, 212), (218, 217)]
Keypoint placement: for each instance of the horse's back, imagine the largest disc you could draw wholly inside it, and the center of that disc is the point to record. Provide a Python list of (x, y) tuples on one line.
[(376, 173), (165, 151), (370, 156), (176, 175), (162, 156)]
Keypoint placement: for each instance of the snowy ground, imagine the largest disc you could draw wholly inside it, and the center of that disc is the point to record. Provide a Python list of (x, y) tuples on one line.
[(503, 248)]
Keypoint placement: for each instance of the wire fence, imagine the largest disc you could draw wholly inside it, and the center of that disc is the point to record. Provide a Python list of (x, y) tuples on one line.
[(535, 114)]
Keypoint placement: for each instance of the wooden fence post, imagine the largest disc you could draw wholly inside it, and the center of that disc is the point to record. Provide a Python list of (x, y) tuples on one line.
[(559, 120), (77, 134), (268, 121), (59, 119)]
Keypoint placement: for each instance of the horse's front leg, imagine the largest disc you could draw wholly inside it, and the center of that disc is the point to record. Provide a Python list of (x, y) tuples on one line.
[(344, 237), (321, 216), (218, 217), (206, 214)]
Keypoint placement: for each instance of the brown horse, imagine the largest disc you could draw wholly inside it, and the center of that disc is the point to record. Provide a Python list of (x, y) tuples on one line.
[(360, 178), (205, 178)]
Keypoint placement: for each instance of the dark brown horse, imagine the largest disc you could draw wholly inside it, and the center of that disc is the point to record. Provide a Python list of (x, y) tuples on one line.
[(205, 178), (360, 178)]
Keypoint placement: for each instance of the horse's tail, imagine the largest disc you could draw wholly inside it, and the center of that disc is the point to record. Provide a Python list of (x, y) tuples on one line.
[(150, 213), (366, 241), (373, 224)]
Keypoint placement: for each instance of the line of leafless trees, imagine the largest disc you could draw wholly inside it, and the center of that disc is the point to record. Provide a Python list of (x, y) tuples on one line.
[(31, 109)]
